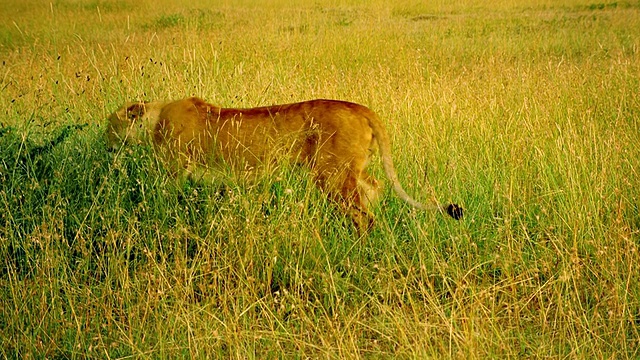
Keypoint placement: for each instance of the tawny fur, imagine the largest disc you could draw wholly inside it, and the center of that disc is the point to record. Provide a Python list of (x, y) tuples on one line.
[(334, 139)]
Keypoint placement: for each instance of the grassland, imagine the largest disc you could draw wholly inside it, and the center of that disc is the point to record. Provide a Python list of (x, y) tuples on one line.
[(527, 113)]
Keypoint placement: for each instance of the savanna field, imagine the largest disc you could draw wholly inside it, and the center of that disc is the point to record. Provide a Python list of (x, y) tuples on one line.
[(526, 113)]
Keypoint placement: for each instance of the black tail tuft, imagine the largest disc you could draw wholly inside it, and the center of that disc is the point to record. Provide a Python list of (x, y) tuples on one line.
[(454, 211)]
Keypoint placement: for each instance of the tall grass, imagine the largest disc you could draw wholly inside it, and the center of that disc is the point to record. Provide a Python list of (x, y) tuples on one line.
[(524, 112)]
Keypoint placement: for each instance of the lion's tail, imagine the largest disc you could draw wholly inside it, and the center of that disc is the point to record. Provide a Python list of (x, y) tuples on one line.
[(384, 146)]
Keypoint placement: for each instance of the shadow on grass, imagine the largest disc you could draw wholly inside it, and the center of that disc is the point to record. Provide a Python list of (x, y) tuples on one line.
[(69, 187)]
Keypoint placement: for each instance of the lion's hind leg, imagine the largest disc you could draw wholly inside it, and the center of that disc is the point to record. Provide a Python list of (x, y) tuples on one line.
[(369, 189), (349, 189)]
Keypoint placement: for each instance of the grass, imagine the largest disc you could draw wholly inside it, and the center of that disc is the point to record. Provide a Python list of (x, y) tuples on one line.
[(524, 112)]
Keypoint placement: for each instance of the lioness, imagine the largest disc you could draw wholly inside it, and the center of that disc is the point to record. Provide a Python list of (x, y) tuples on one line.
[(332, 138)]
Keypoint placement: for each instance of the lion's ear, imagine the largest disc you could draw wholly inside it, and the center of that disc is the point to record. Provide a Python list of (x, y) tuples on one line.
[(135, 111)]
